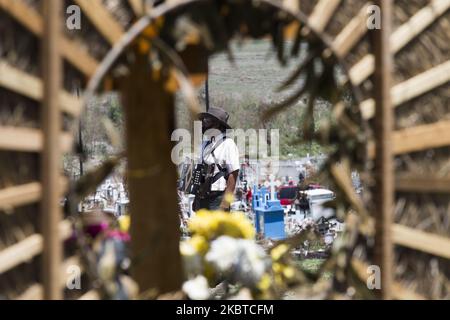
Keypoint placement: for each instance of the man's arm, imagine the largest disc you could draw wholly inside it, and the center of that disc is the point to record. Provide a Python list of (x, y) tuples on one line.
[(229, 190)]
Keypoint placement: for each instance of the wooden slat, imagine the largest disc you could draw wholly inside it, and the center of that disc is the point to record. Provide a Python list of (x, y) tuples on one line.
[(418, 138), (28, 248), (398, 292), (28, 140), (423, 184), (422, 137), (401, 37), (362, 69), (412, 88), (421, 84), (20, 252), (20, 195), (90, 295), (20, 139), (79, 57), (419, 22), (32, 87), (25, 194), (352, 33), (322, 14), (137, 6), (102, 19), (32, 20), (130, 287), (27, 16), (35, 292), (421, 241)]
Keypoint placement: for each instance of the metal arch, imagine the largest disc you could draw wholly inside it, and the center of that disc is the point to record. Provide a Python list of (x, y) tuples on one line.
[(165, 8)]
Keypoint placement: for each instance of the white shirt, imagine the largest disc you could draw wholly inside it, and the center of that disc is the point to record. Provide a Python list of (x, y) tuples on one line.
[(226, 154)]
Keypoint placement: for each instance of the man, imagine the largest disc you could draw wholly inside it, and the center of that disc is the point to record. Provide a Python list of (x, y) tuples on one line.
[(221, 154)]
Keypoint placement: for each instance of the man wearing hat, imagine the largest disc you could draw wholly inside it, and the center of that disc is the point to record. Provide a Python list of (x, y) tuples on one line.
[(220, 153)]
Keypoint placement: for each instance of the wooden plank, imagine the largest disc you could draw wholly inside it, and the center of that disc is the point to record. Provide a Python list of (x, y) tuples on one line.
[(137, 6), (25, 15), (20, 195), (423, 184), (417, 138), (352, 33), (421, 84), (28, 248), (322, 14), (418, 23), (32, 20), (21, 252), (102, 20), (401, 37), (384, 168), (29, 140), (362, 70), (35, 292), (20, 139), (421, 241), (79, 57), (32, 87), (399, 292), (51, 155), (422, 137), (412, 88), (90, 295), (128, 283)]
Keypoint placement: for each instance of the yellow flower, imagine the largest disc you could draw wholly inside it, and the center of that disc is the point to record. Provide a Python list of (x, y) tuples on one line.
[(213, 224), (289, 272), (265, 282), (279, 251), (124, 223), (199, 243), (277, 267)]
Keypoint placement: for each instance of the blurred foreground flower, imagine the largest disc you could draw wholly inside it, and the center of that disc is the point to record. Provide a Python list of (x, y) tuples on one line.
[(197, 288), (238, 260), (212, 224), (222, 248)]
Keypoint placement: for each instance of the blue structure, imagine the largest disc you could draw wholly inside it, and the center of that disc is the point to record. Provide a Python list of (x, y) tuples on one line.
[(269, 215)]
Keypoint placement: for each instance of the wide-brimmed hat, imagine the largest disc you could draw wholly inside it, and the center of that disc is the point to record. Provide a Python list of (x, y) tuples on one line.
[(217, 113)]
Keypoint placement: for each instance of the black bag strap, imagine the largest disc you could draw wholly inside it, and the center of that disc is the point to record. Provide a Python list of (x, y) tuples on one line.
[(222, 171)]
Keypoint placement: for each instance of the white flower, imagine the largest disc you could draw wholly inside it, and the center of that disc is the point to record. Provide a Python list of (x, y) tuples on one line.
[(197, 288), (239, 259), (252, 264), (222, 254)]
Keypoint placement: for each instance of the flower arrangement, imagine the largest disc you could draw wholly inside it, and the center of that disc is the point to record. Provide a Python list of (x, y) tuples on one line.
[(222, 249)]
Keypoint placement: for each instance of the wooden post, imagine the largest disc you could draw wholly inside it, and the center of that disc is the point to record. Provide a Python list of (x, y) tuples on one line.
[(51, 156), (384, 192), (152, 176), (207, 92)]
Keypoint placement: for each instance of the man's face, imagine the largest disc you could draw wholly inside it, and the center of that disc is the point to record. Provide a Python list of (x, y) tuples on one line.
[(208, 123)]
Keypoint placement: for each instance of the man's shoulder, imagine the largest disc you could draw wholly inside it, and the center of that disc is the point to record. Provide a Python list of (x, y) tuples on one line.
[(229, 142)]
